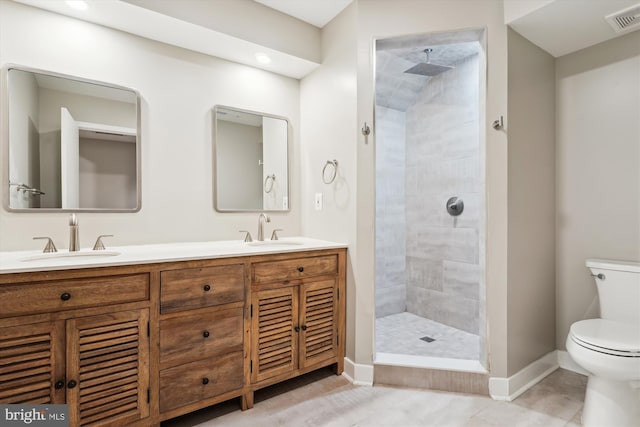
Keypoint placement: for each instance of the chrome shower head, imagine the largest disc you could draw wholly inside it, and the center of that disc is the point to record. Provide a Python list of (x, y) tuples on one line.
[(427, 68)]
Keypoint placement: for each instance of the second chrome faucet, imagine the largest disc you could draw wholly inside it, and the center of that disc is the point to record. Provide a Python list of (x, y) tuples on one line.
[(261, 220), (74, 233)]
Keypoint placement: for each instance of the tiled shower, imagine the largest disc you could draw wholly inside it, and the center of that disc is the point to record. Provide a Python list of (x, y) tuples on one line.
[(429, 266)]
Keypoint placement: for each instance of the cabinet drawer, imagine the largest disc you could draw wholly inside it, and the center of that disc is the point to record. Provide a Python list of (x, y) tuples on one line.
[(200, 380), (191, 288), (41, 297), (299, 268), (192, 337)]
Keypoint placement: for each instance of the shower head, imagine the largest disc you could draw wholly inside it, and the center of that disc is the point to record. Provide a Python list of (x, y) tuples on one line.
[(427, 68)]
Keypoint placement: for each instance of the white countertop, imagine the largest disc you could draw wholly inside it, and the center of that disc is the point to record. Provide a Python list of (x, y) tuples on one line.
[(28, 261)]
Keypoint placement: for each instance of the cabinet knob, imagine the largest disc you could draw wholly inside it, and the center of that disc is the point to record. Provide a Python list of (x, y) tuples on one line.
[(206, 288), (300, 269), (65, 296), (205, 381), (205, 334), (297, 328), (71, 384), (304, 327), (59, 384)]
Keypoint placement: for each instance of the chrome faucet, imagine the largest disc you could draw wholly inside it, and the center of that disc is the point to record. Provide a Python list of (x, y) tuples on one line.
[(74, 231), (261, 220)]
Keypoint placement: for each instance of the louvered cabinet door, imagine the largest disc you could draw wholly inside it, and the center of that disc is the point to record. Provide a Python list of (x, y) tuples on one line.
[(108, 368), (318, 322), (274, 346), (31, 363)]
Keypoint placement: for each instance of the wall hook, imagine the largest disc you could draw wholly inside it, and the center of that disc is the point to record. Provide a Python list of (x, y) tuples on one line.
[(498, 124)]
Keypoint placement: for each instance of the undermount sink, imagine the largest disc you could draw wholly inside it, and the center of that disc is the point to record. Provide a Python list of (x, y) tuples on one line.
[(275, 243), (78, 254)]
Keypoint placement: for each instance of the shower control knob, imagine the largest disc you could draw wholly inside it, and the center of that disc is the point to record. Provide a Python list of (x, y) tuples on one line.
[(455, 206)]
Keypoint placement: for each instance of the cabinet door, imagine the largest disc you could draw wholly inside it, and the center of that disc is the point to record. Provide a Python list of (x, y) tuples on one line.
[(31, 363), (108, 368), (274, 340), (318, 322)]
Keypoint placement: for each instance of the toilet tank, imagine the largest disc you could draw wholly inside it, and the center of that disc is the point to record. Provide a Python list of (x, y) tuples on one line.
[(618, 288)]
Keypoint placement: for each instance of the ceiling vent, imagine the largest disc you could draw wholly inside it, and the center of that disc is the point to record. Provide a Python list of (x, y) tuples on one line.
[(625, 20)]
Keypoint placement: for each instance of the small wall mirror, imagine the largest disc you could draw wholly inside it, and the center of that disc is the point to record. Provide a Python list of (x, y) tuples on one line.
[(73, 144), (251, 161)]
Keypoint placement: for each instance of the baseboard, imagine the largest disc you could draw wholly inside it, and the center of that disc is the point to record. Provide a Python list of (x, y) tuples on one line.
[(508, 389), (566, 362), (358, 373)]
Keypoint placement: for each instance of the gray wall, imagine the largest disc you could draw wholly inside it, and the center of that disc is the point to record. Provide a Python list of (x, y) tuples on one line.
[(598, 169), (390, 212), (531, 154), (443, 160)]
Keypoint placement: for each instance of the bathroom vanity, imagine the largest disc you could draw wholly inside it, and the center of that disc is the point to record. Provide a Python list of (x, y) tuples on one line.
[(162, 330)]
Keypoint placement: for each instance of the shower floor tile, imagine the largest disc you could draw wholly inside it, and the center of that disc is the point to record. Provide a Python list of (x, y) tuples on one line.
[(402, 333)]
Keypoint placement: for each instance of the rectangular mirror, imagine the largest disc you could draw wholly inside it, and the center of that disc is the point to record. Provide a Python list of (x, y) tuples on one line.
[(73, 144), (251, 161)]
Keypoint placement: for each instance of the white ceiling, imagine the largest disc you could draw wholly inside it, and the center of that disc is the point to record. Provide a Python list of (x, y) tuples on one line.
[(564, 26), (314, 12)]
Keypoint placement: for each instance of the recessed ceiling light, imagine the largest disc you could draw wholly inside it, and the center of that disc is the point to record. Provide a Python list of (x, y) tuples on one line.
[(77, 4), (263, 58)]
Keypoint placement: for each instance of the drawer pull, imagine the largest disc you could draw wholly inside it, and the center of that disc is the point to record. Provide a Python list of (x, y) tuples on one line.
[(205, 381), (304, 327), (59, 384), (65, 296), (71, 384), (205, 334), (300, 269), (206, 288)]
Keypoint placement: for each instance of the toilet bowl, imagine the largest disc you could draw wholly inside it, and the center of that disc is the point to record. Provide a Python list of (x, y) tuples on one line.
[(609, 347)]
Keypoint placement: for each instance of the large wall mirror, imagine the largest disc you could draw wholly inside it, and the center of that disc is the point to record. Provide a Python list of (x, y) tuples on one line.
[(251, 159), (73, 144)]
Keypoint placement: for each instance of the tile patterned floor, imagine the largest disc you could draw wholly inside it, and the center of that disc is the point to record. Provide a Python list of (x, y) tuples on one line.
[(400, 333), (323, 399)]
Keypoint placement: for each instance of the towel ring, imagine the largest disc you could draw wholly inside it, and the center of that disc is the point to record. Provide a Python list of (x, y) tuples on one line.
[(270, 178), (333, 163)]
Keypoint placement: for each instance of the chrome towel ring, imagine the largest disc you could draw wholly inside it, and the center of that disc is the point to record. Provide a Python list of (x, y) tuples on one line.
[(333, 163), (269, 179)]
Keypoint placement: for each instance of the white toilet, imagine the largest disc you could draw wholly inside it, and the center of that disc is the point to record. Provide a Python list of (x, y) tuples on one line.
[(609, 347)]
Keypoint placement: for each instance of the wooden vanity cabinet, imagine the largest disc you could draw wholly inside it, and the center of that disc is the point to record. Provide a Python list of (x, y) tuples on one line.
[(73, 341), (202, 336), (136, 345), (297, 316)]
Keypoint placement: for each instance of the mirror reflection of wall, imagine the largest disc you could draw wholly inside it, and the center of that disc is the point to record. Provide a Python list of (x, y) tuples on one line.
[(72, 144), (251, 161)]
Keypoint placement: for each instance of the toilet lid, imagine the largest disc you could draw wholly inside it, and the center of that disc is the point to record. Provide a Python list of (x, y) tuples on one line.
[(607, 335)]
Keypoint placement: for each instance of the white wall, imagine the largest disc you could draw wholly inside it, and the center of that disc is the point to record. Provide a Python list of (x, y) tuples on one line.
[(328, 118), (178, 90), (24, 122), (106, 166), (531, 257), (274, 156), (382, 19), (238, 151), (598, 169)]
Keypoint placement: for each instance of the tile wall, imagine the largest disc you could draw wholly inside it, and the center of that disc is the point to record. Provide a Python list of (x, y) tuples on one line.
[(390, 212), (427, 262), (443, 160)]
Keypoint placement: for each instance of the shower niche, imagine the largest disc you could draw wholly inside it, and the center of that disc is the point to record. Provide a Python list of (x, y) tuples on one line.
[(429, 127)]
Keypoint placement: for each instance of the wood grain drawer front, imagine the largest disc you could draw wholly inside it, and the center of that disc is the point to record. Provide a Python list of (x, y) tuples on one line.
[(188, 338), (42, 297), (299, 268), (200, 380), (191, 288)]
